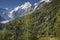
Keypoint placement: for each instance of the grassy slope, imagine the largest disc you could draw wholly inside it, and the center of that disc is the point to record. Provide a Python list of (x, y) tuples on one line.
[(43, 24)]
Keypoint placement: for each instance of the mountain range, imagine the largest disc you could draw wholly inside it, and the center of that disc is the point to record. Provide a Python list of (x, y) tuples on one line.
[(41, 24), (11, 14)]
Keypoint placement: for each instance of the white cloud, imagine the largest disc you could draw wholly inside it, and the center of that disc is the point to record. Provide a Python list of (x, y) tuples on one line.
[(35, 4), (4, 21), (6, 8)]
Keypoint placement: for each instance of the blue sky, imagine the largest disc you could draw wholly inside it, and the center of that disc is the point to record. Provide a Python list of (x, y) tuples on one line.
[(14, 3)]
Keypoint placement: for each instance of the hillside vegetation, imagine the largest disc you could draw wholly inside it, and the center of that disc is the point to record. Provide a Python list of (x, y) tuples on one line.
[(42, 24)]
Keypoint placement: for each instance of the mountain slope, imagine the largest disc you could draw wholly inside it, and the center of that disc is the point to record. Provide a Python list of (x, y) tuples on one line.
[(12, 13), (42, 24), (1, 19)]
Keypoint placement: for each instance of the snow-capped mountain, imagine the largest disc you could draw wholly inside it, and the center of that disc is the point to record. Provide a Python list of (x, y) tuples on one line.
[(4, 13), (8, 14)]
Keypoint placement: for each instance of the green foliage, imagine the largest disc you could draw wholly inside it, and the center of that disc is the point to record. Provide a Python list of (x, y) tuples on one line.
[(42, 24)]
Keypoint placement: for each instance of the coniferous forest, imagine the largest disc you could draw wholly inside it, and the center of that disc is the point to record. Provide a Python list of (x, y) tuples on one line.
[(42, 24)]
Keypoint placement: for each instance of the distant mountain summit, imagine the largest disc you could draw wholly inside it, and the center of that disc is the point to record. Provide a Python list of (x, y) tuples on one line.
[(19, 11)]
